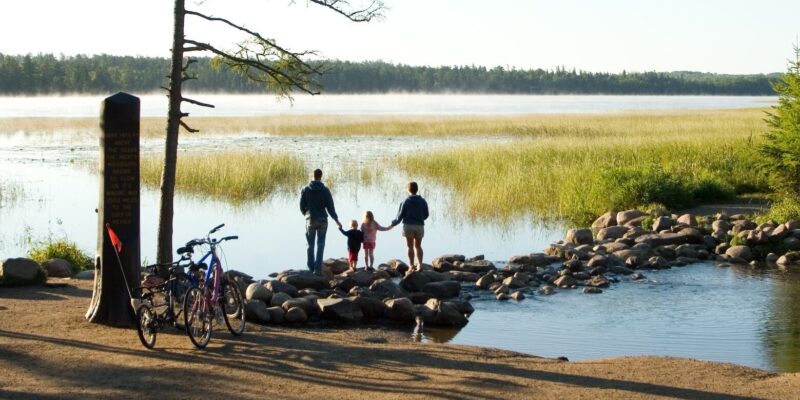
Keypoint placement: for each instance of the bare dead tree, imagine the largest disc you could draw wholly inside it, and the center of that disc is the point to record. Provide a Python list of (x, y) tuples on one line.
[(258, 58)]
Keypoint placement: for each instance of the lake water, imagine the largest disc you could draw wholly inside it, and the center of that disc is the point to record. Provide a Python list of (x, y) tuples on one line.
[(739, 315)]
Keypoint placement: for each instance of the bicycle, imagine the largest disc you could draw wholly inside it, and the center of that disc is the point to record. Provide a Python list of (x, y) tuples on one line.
[(161, 304), (216, 297)]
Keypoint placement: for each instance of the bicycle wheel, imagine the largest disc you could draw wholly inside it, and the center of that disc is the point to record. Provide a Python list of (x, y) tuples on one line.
[(232, 306), (177, 294), (197, 317), (146, 326)]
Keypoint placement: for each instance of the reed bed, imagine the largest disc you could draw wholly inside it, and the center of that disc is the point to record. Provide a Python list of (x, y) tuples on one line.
[(650, 123), (627, 162), (233, 176)]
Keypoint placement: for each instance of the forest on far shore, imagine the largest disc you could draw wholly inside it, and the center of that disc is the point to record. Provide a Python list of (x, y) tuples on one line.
[(50, 74)]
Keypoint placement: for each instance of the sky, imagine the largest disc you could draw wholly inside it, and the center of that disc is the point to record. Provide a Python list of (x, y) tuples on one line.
[(734, 36)]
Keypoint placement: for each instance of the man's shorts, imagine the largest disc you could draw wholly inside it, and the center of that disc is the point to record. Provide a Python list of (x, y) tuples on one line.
[(414, 231), (369, 245)]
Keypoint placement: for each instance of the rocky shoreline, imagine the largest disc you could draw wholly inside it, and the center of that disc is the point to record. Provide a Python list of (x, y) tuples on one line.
[(618, 246)]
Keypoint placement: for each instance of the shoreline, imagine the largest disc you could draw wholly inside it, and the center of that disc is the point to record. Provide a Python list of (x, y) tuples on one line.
[(65, 356)]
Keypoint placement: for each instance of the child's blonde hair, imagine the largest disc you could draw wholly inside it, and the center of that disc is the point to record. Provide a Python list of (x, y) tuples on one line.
[(368, 217), (354, 224)]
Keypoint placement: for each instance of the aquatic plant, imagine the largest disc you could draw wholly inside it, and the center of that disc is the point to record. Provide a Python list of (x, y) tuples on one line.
[(230, 175), (62, 248)]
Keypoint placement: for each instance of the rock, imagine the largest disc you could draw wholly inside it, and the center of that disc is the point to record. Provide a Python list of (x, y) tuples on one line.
[(692, 235), (636, 222), (365, 278), (546, 290), (371, 308), (580, 236), (687, 219), (662, 223), (420, 297), (771, 258), (605, 220), (620, 270), (515, 282), (21, 271), (792, 225), (791, 243), (276, 314), (614, 247), (565, 281), (58, 268), (301, 302), (623, 217), (277, 286), (662, 239), (592, 290), (447, 258), (295, 315), (742, 252), (633, 262), (532, 260), (398, 265), (443, 289), (445, 314), (657, 262), (336, 265), (598, 281), (84, 275), (256, 311), (343, 282), (303, 280), (686, 250), (518, 296), (637, 276), (400, 309), (721, 225), (340, 309), (598, 261), (574, 265), (486, 280), (415, 281), (779, 233), (502, 296), (478, 266), (462, 276), (386, 288), (612, 233), (501, 289), (278, 299), (257, 291), (422, 312)]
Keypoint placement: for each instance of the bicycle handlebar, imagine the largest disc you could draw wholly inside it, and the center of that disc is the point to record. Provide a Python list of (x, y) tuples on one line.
[(216, 228)]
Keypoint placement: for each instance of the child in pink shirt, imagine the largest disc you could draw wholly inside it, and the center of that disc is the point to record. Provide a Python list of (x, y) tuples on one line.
[(370, 228)]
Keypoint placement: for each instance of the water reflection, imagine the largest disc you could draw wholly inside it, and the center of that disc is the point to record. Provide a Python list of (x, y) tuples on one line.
[(782, 325)]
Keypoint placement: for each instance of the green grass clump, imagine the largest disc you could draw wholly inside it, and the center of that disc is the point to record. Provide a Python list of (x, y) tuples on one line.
[(61, 248), (229, 175), (782, 211), (576, 176)]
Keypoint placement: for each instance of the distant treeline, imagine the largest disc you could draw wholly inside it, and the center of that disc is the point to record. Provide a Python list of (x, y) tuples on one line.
[(49, 74)]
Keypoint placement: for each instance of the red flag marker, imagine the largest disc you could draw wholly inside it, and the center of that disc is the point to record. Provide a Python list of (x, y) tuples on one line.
[(114, 238)]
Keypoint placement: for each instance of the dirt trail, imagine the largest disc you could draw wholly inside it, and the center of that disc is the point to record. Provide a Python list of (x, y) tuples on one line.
[(47, 350)]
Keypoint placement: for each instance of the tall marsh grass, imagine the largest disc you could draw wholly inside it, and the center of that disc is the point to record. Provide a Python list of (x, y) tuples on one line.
[(585, 170), (229, 175)]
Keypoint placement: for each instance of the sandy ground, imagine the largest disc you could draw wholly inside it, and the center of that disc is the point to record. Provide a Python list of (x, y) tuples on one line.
[(48, 350)]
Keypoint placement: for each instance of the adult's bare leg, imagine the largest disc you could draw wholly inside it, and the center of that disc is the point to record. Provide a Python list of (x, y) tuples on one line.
[(410, 245), (418, 248)]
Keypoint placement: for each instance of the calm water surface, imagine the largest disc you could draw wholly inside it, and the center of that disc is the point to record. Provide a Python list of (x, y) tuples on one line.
[(740, 315)]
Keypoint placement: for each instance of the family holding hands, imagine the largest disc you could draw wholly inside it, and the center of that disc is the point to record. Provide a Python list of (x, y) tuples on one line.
[(316, 203)]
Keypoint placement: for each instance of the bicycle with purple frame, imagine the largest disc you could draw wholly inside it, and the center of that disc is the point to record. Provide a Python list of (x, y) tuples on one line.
[(215, 298)]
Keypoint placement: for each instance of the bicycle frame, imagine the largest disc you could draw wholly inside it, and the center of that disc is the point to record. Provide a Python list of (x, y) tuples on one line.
[(215, 267)]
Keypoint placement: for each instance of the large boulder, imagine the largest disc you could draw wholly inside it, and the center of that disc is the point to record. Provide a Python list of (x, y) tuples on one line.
[(742, 252), (257, 291), (580, 236), (365, 278), (278, 299), (276, 286), (85, 275), (445, 314), (371, 308), (303, 280), (605, 220), (256, 311), (276, 314), (447, 259), (21, 271), (662, 223), (462, 276), (612, 232), (415, 281), (515, 282), (301, 302), (721, 225), (623, 217), (401, 309), (598, 281), (478, 266), (663, 239), (442, 289), (688, 220), (486, 280), (58, 268), (530, 260), (295, 315), (336, 265), (398, 266), (340, 310), (387, 288), (565, 281)]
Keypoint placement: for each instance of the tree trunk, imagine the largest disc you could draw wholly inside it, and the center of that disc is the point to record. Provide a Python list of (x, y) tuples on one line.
[(164, 251)]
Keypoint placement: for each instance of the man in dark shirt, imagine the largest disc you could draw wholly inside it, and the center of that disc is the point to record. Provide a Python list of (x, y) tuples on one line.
[(413, 213), (316, 203), (354, 240)]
